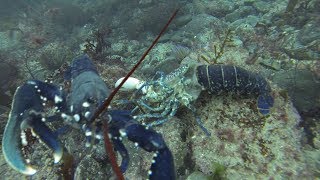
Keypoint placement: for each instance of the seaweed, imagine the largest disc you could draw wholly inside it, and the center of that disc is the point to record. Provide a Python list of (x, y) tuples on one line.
[(218, 50), (219, 171)]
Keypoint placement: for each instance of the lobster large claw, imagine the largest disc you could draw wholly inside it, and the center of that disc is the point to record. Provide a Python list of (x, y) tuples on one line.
[(27, 112)]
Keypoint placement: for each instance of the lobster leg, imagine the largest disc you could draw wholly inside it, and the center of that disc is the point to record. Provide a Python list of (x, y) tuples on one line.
[(118, 145)]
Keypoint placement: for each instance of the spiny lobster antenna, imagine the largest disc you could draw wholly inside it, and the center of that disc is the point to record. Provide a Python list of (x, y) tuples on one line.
[(106, 103)]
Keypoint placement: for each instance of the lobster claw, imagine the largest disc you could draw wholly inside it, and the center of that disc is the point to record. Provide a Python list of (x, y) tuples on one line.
[(148, 139), (26, 112)]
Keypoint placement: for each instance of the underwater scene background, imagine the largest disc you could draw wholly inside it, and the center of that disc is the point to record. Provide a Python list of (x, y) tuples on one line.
[(275, 41)]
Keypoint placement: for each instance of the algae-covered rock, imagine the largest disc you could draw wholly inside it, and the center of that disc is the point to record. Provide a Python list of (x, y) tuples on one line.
[(54, 55), (197, 176), (301, 86)]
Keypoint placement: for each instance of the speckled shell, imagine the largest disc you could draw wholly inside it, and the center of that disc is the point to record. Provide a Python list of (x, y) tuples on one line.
[(227, 78)]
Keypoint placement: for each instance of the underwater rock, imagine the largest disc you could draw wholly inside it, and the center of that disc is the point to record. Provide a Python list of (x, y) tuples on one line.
[(182, 20), (54, 55), (200, 23), (250, 147), (301, 86), (308, 34), (118, 48), (263, 6), (271, 64), (88, 167), (240, 13), (197, 176), (218, 8), (249, 20)]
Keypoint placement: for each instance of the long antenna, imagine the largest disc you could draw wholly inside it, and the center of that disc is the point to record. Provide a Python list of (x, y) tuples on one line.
[(106, 103)]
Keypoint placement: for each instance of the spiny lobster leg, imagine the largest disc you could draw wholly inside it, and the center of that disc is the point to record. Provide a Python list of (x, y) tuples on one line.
[(123, 125), (26, 112)]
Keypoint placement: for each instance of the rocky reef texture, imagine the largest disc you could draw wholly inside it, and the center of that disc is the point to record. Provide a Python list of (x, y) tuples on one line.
[(279, 39), (249, 146)]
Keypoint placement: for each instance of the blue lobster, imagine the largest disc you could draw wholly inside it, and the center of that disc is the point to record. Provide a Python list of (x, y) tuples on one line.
[(88, 91)]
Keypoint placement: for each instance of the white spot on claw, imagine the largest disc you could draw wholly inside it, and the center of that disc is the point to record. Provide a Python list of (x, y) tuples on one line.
[(76, 117), (57, 155), (149, 172), (29, 170), (23, 138), (136, 144), (43, 119), (87, 114), (155, 154), (57, 99), (88, 133), (64, 116), (122, 132), (88, 144), (109, 118), (98, 136), (156, 144), (31, 82)]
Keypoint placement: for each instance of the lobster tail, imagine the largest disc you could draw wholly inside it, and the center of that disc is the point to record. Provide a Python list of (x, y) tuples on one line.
[(227, 78)]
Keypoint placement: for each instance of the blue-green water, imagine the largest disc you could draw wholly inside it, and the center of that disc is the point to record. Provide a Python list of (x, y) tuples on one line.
[(279, 40)]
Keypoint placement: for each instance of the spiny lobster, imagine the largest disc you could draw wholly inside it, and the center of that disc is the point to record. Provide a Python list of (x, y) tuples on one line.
[(160, 98)]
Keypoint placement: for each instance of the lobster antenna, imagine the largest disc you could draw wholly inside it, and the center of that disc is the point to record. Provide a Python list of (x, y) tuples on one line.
[(106, 103)]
